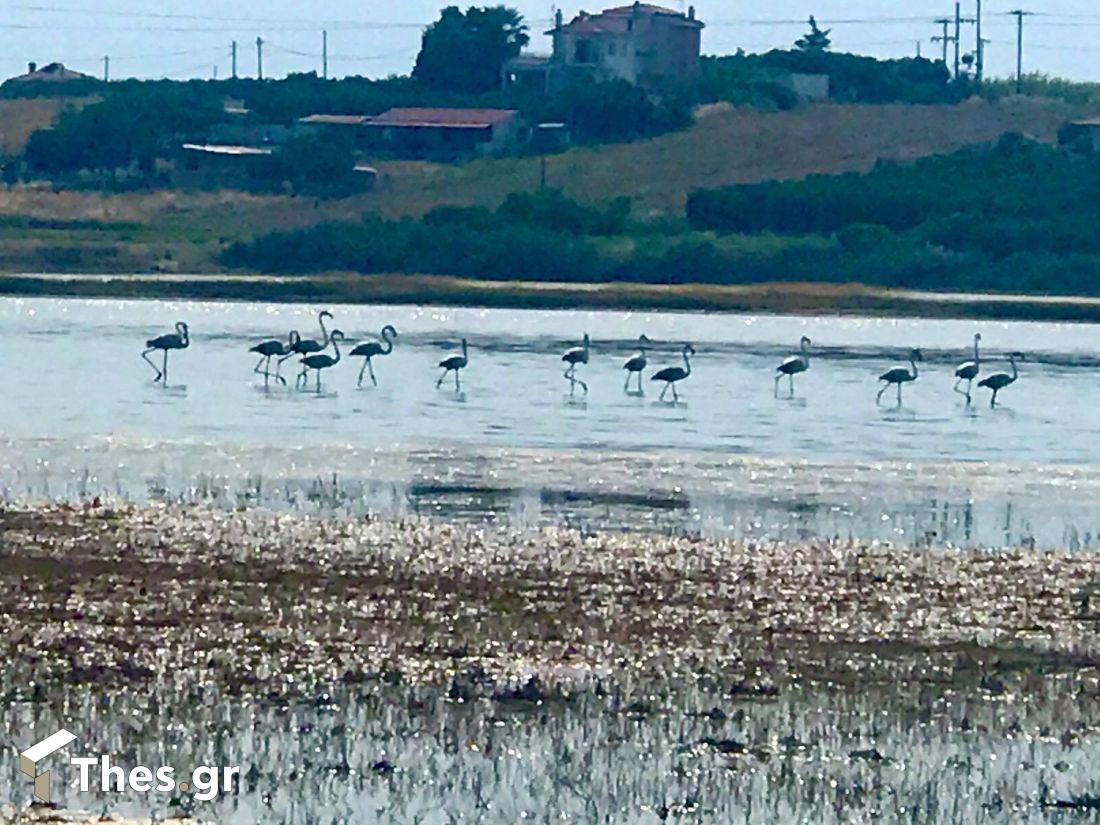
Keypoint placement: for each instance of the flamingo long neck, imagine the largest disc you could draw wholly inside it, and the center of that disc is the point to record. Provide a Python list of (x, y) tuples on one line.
[(464, 356), (687, 363), (184, 333), (1015, 372), (977, 357), (336, 349), (389, 341), (913, 364), (324, 331), (805, 353)]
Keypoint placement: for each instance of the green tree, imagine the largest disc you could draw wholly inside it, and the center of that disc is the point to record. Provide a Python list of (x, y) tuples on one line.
[(815, 40), (465, 51)]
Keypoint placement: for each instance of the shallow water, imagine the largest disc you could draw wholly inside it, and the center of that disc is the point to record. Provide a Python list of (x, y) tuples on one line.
[(82, 417), (919, 753)]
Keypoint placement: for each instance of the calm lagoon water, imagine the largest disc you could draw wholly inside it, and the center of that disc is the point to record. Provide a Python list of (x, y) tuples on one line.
[(82, 417)]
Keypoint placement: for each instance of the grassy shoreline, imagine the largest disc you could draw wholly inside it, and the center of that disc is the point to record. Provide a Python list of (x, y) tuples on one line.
[(779, 298)]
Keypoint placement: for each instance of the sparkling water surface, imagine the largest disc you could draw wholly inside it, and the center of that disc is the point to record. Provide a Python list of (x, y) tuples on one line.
[(82, 417)]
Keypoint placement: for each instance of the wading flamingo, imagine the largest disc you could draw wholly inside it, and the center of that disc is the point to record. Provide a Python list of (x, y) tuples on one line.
[(307, 346), (180, 339), (968, 370), (373, 349), (636, 364), (900, 375), (672, 375), (268, 350), (323, 361), (454, 363), (574, 357), (794, 365), (999, 380)]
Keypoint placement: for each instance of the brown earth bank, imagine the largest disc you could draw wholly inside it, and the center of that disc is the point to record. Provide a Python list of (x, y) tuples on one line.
[(781, 298), (261, 603)]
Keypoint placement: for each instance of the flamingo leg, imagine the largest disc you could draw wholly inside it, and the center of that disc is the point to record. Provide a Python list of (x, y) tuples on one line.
[(667, 385), (164, 372), (458, 385), (584, 386), (278, 366), (318, 382), (968, 391), (266, 371), (791, 378), (569, 377), (899, 393), (878, 398), (626, 384), (675, 395), (778, 378), (993, 400), (439, 383), (145, 357), (370, 367), (360, 384), (640, 388)]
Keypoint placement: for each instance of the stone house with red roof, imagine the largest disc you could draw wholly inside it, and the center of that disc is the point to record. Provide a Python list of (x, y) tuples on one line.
[(642, 44)]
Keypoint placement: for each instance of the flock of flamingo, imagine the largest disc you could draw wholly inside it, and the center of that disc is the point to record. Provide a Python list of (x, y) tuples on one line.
[(313, 355)]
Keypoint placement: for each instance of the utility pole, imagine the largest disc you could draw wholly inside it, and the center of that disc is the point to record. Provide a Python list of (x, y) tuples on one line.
[(324, 54), (259, 58), (918, 50), (979, 55), (958, 35), (234, 53), (957, 39), (945, 37), (1020, 15), (106, 69)]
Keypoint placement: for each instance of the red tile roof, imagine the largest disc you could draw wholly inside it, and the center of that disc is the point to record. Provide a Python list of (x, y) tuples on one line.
[(440, 118), (616, 20)]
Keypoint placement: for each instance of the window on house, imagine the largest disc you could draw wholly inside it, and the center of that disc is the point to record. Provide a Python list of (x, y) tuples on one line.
[(584, 52)]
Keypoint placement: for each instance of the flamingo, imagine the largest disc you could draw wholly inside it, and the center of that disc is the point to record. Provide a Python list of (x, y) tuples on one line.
[(794, 365), (372, 349), (636, 364), (454, 363), (181, 339), (307, 346), (999, 380), (968, 370), (322, 361), (268, 350), (671, 375), (900, 375), (575, 356)]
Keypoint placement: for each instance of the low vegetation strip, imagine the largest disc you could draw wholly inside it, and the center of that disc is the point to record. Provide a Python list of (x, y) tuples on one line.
[(1016, 217), (256, 601)]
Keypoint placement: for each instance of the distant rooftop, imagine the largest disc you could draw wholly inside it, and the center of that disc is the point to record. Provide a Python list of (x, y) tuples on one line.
[(50, 73), (443, 118), (336, 120), (224, 150), (617, 20)]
